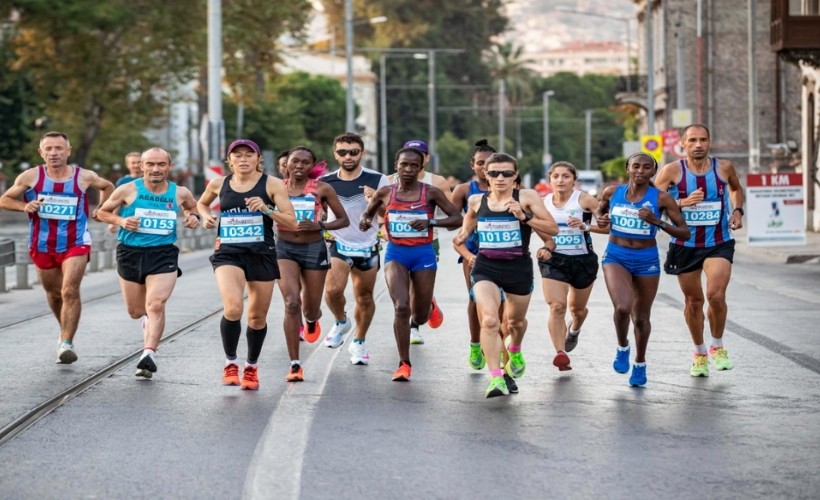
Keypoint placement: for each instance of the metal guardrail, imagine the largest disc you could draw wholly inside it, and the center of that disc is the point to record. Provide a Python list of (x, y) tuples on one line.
[(103, 254)]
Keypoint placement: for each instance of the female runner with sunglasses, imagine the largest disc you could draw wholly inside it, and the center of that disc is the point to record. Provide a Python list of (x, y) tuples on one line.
[(631, 263), (503, 270)]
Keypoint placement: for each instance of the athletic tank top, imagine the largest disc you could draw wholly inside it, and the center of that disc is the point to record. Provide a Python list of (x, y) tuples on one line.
[(349, 240), (709, 219), (501, 235), (157, 214), (308, 205), (239, 229), (62, 221), (398, 214), (623, 214), (570, 240), (472, 241)]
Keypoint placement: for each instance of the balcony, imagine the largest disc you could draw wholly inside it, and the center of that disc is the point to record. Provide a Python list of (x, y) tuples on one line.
[(631, 89), (794, 31)]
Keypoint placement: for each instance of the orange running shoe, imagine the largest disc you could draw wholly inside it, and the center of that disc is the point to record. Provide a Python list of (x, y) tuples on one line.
[(436, 316), (403, 373), (230, 375), (313, 335), (295, 374), (250, 378)]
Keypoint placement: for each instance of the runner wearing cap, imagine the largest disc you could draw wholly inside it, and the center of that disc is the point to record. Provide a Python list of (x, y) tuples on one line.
[(245, 252), (425, 177)]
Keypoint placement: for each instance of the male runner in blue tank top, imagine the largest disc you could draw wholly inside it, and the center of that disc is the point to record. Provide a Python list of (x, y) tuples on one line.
[(147, 259), (711, 198)]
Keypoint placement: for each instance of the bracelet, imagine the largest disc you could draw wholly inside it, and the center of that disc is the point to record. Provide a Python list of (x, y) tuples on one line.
[(742, 213), (527, 218), (548, 249), (268, 211), (432, 223), (198, 217), (662, 224)]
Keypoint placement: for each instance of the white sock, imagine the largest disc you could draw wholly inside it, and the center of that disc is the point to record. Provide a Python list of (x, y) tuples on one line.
[(701, 349), (249, 365), (640, 364), (149, 352), (622, 349), (717, 342), (295, 362), (573, 332), (231, 362)]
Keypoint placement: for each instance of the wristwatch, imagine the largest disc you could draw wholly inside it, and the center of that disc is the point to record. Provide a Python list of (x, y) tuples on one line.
[(662, 224), (432, 223), (527, 218), (742, 212)]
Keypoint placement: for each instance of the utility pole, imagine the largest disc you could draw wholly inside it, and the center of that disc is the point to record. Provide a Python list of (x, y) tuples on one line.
[(754, 146), (216, 125), (431, 109), (502, 91), (588, 141), (650, 70), (350, 110), (547, 160)]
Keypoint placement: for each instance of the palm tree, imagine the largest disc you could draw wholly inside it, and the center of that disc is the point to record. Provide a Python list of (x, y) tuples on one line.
[(514, 78)]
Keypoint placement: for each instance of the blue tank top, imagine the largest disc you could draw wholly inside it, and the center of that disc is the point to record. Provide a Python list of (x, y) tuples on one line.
[(472, 241), (623, 214), (157, 214), (709, 219), (501, 235)]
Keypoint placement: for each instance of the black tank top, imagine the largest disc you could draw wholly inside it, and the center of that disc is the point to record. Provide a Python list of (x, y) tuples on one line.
[(500, 234), (240, 230)]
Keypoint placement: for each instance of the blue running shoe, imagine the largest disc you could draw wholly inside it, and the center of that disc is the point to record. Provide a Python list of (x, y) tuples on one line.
[(638, 377), (621, 363)]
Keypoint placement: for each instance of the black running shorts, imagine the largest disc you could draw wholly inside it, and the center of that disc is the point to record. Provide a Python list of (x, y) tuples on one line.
[(681, 259), (257, 267), (136, 263)]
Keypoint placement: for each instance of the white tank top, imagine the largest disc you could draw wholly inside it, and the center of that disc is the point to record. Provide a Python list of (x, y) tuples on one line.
[(569, 241)]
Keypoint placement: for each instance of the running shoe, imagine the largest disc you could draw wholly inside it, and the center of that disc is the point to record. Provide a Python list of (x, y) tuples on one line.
[(250, 378), (516, 366), (497, 388), (621, 363), (511, 385), (721, 358), (436, 315), (358, 353), (415, 337), (402, 374), (700, 366), (572, 339), (230, 374), (638, 377), (146, 366), (561, 361), (312, 335), (295, 374), (65, 353), (336, 336), (476, 358)]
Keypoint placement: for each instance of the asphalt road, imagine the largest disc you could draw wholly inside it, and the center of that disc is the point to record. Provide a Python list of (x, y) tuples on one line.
[(349, 432)]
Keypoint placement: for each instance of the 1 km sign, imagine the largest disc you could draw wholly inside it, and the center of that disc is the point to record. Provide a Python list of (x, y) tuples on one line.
[(774, 209)]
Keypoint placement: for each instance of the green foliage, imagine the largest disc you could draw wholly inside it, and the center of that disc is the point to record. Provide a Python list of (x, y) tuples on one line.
[(614, 169), (454, 156)]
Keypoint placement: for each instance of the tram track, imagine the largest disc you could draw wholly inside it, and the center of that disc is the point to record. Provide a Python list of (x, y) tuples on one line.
[(29, 418)]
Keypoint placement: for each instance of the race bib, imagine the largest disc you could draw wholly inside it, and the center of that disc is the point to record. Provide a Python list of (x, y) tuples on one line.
[(152, 221), (705, 213), (568, 238), (304, 207), (351, 251), (241, 228), (58, 206), (626, 220), (399, 224), (499, 233)]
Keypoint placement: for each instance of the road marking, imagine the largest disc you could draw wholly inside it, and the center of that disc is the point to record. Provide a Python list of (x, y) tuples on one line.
[(275, 470)]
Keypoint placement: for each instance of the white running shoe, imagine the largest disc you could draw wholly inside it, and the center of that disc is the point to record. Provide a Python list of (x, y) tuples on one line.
[(415, 336), (358, 353), (336, 336), (66, 354)]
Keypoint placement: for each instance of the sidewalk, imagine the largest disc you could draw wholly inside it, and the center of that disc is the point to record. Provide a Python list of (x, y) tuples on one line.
[(784, 254)]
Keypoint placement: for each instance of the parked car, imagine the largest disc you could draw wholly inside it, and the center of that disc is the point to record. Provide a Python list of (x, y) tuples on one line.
[(590, 181)]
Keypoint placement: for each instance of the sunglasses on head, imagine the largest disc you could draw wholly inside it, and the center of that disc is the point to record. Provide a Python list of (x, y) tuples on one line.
[(351, 152), (503, 173)]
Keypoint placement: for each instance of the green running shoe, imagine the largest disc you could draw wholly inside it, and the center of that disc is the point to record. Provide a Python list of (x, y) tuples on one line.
[(700, 366), (721, 358), (516, 366), (476, 358), (497, 387)]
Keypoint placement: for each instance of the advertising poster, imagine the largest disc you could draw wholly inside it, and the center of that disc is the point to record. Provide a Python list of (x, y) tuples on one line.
[(774, 209)]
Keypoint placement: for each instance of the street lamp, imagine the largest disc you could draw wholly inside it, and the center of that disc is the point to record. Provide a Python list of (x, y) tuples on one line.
[(350, 118), (547, 160)]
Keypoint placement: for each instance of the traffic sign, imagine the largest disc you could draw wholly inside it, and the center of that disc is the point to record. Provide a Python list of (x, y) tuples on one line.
[(653, 146)]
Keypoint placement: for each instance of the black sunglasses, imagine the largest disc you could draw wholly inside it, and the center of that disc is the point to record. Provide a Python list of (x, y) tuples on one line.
[(503, 173), (345, 152)]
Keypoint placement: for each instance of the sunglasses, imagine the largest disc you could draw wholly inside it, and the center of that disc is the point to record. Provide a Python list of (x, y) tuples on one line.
[(503, 173), (345, 152)]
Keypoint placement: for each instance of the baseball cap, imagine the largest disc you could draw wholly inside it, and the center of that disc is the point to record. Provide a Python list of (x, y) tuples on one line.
[(243, 142), (417, 144)]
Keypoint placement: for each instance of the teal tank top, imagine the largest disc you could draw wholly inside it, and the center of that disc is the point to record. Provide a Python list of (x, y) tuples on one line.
[(157, 214)]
